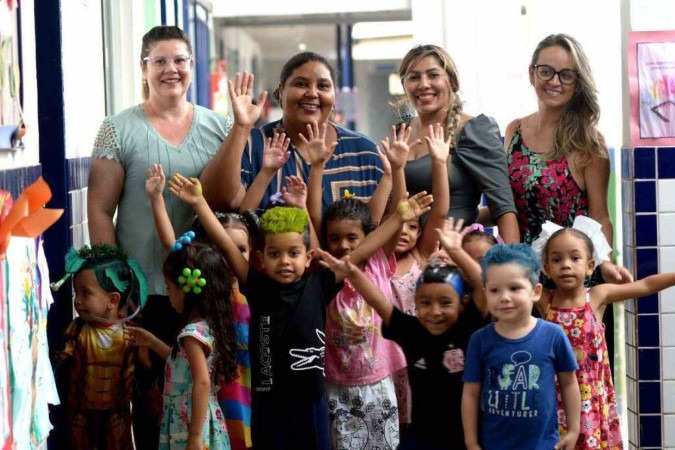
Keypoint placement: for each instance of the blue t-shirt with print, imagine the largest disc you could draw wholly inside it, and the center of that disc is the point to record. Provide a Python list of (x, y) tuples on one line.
[(518, 394)]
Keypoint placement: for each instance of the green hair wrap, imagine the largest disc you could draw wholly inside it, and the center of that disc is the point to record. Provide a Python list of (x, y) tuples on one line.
[(284, 219), (108, 262)]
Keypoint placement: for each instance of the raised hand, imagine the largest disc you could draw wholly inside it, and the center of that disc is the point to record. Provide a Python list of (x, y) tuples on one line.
[(187, 189), (386, 165), (341, 267), (295, 192), (155, 180), (414, 206), (275, 153), (315, 142), (452, 233), (246, 113), (397, 150), (439, 149)]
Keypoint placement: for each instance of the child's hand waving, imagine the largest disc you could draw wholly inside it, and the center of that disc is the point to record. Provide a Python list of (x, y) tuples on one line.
[(155, 180), (295, 192), (414, 206), (187, 189), (275, 153), (341, 267), (439, 149), (397, 150), (319, 152), (452, 234)]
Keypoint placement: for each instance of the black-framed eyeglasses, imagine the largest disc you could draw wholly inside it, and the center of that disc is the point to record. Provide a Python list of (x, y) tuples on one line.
[(160, 62), (546, 73)]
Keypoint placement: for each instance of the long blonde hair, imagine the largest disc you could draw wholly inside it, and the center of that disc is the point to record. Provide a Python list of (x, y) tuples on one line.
[(577, 130), (416, 54)]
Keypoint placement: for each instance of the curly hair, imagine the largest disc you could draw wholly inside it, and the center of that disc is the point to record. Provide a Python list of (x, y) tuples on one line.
[(455, 105), (212, 303), (577, 130)]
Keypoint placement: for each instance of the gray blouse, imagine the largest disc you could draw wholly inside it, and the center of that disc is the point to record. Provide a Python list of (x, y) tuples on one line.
[(478, 167)]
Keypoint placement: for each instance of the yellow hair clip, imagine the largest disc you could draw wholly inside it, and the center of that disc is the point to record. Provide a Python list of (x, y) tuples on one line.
[(348, 194)]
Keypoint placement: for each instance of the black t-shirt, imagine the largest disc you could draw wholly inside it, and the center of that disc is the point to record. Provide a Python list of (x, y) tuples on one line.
[(286, 337), (435, 369)]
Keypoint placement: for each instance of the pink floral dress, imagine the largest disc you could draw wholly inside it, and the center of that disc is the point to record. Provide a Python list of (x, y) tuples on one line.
[(543, 190), (599, 415)]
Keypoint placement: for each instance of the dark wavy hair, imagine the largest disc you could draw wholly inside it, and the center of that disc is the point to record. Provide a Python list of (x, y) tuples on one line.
[(478, 235), (348, 209), (212, 303)]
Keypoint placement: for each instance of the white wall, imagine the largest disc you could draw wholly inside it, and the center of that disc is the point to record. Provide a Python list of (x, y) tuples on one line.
[(299, 7), (83, 76)]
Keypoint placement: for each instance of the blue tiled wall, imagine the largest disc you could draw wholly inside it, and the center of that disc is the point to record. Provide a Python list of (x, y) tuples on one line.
[(648, 191)]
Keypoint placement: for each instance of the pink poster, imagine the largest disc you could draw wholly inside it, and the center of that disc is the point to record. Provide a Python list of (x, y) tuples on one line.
[(651, 68)]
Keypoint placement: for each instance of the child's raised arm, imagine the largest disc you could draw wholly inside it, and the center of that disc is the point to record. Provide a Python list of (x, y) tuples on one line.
[(378, 202), (154, 186), (450, 237), (319, 155), (397, 153), (406, 210), (571, 396), (607, 293), (439, 151), (295, 194), (190, 191), (275, 155), (344, 268), (201, 389)]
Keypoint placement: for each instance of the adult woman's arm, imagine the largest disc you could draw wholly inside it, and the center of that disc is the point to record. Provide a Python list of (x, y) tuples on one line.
[(596, 180), (221, 178), (481, 153), (106, 180)]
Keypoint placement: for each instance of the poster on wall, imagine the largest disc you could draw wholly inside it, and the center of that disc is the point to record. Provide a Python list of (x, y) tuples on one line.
[(651, 66)]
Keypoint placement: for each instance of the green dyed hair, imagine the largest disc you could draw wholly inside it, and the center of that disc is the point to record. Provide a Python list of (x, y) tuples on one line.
[(285, 219)]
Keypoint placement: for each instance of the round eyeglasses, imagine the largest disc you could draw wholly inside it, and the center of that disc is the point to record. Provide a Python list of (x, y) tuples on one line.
[(546, 73), (160, 62)]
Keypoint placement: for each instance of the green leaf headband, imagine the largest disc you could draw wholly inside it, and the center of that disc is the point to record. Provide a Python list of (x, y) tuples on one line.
[(101, 258)]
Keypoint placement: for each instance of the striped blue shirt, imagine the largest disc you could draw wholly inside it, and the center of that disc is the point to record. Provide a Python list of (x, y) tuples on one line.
[(355, 165)]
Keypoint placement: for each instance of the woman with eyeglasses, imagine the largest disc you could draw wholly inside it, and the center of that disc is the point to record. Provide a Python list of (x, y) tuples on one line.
[(558, 161), (165, 129)]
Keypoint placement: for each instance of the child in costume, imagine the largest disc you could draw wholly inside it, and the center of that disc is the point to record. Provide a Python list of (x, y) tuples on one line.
[(234, 398), (287, 318), (434, 342), (569, 258), (199, 287), (97, 362), (512, 364)]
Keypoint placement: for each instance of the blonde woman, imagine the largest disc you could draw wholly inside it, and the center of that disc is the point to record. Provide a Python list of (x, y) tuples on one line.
[(558, 162), (477, 165)]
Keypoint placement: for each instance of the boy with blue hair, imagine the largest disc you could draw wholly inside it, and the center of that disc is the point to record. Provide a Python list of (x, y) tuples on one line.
[(512, 364)]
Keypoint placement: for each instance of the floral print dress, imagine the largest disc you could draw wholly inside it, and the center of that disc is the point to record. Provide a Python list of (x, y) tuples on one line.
[(599, 415), (543, 190), (178, 385)]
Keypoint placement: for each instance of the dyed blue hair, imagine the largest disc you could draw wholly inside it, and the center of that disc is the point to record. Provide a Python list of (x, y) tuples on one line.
[(520, 254)]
